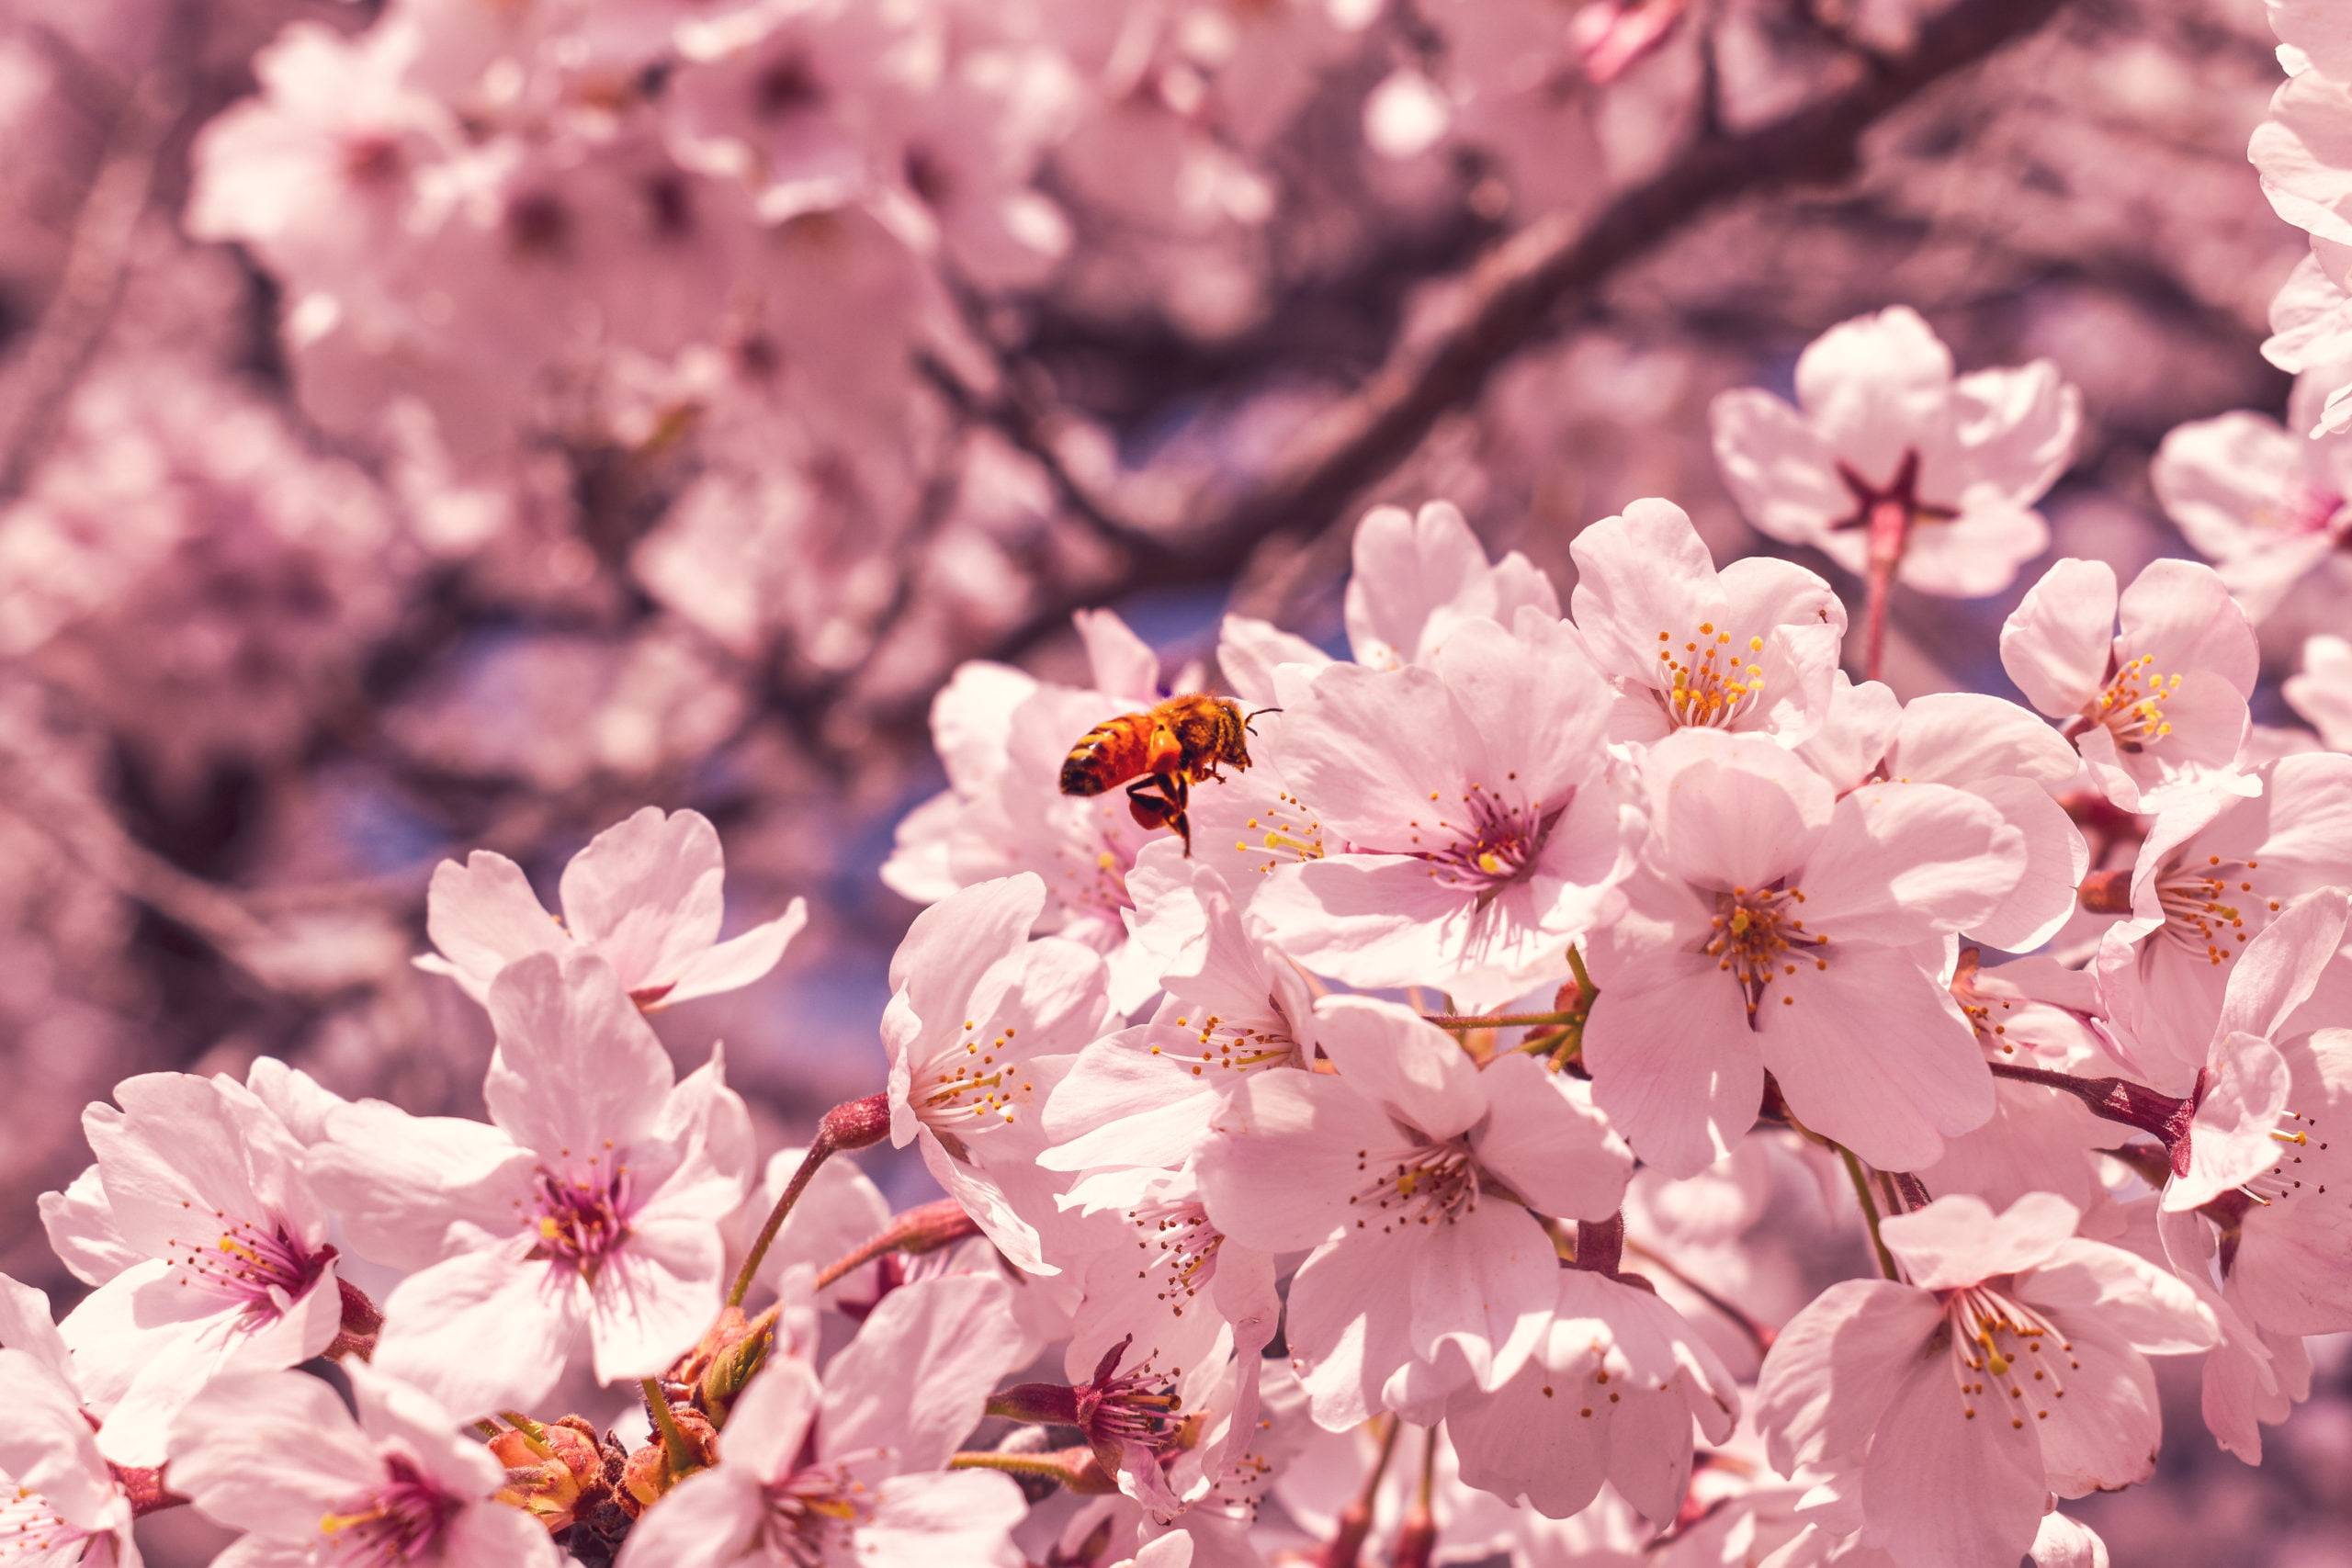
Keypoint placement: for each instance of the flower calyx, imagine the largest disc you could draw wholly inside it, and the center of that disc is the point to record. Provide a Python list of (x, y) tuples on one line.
[(719, 1368), (354, 1336), (557, 1472), (649, 1472)]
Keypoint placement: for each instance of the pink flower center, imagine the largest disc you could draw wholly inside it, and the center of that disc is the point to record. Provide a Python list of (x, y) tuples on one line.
[(1140, 1406), (2132, 707), (401, 1521), (2005, 1357), (1178, 1241), (1758, 937), (581, 1220), (812, 1514), (1708, 683), (1437, 1182), (264, 1269), (1494, 847), (2206, 907), (30, 1529)]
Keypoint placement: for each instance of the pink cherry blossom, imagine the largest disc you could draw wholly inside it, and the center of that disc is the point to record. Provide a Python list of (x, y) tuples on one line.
[(60, 1503), (2265, 503), (1751, 648), (2322, 692), (588, 1208), (1775, 927), (1144, 1097), (1881, 426), (200, 1183), (278, 1455), (2157, 707), (2311, 334), (1412, 1164), (1473, 826), (2210, 876), (644, 896), (979, 1029), (851, 1470), (2241, 1130), (1610, 1393), (2013, 1365)]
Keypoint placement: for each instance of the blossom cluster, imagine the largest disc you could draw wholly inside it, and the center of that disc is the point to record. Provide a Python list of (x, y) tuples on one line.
[(1354, 1154), (1352, 1168)]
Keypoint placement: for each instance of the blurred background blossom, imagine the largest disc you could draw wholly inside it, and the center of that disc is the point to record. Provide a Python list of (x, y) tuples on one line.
[(437, 425)]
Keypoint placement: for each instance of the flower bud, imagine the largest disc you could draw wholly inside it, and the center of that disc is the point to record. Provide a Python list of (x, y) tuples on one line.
[(647, 1475), (723, 1363), (555, 1472)]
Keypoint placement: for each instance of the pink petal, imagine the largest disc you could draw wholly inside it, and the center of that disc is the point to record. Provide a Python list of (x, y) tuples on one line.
[(1908, 862), (1674, 1064), (1412, 1069), (1946, 1490), (739, 959), (1733, 810), (1831, 1373), (913, 1381), (577, 1068), (1556, 1153), (484, 916), (2055, 644), (1957, 1241), (645, 893), (1875, 1054)]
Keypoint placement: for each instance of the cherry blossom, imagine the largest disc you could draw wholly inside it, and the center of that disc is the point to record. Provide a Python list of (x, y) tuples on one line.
[(1751, 648), (1610, 1393), (1473, 825), (1923, 1388), (2209, 877), (2311, 333), (1773, 927), (2265, 503), (1411, 1163), (852, 1470), (389, 1482), (213, 1247), (1887, 455), (644, 896), (2158, 709), (62, 1502), (585, 1208), (979, 1029)]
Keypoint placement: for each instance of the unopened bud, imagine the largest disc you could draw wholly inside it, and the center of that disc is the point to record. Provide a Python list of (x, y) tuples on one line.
[(720, 1367), (2106, 892), (555, 1472), (856, 1125), (649, 1475)]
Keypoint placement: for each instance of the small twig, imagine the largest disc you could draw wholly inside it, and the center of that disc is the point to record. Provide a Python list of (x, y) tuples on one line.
[(1870, 1210), (854, 1125)]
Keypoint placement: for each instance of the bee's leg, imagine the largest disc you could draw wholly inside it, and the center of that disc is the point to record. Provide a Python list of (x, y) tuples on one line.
[(1179, 794), (1152, 804)]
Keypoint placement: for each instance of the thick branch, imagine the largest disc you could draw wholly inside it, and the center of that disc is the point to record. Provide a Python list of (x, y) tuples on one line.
[(1518, 295)]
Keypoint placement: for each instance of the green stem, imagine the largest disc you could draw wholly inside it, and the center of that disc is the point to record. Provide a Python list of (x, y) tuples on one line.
[(1500, 1019), (1870, 1208), (674, 1442), (1586, 989)]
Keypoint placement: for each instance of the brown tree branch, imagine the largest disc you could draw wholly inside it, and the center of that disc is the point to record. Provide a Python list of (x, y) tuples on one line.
[(1518, 295)]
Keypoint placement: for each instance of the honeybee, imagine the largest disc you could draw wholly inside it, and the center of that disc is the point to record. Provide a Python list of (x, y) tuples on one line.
[(1164, 751)]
